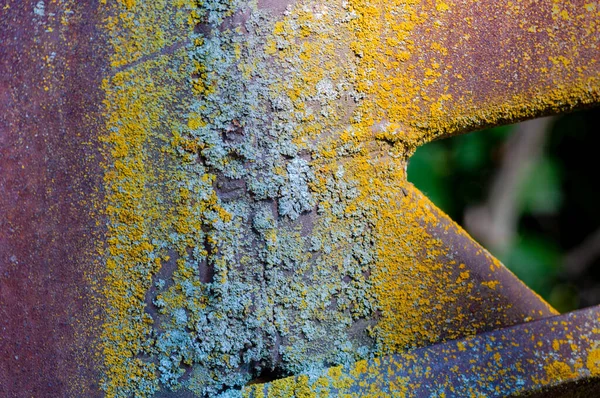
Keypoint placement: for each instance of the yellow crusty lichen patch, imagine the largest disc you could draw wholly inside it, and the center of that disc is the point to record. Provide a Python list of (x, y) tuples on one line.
[(557, 370), (126, 327), (137, 213), (413, 313), (138, 110), (593, 359), (140, 28)]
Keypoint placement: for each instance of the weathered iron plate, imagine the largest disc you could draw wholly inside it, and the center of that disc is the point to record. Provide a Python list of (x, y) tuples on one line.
[(51, 62)]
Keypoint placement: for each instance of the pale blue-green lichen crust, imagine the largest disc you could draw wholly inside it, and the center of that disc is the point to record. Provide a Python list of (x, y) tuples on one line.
[(262, 265), (273, 293)]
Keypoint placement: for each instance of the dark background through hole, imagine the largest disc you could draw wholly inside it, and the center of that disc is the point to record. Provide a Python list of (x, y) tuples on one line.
[(555, 244)]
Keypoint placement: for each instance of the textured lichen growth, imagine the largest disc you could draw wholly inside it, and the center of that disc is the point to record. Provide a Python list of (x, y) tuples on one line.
[(259, 217)]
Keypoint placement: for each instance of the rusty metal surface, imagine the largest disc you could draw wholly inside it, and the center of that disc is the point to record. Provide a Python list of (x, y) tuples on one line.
[(554, 357), (50, 103), (492, 62), (509, 303), (134, 75)]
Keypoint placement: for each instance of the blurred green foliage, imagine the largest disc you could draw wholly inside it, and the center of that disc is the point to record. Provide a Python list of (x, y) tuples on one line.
[(454, 172), (558, 203)]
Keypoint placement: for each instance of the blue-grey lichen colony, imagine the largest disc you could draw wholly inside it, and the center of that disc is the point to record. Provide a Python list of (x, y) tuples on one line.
[(263, 267)]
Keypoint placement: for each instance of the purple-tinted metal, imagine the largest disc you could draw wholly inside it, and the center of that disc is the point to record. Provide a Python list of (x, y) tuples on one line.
[(553, 357), (507, 60), (50, 103), (511, 302)]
